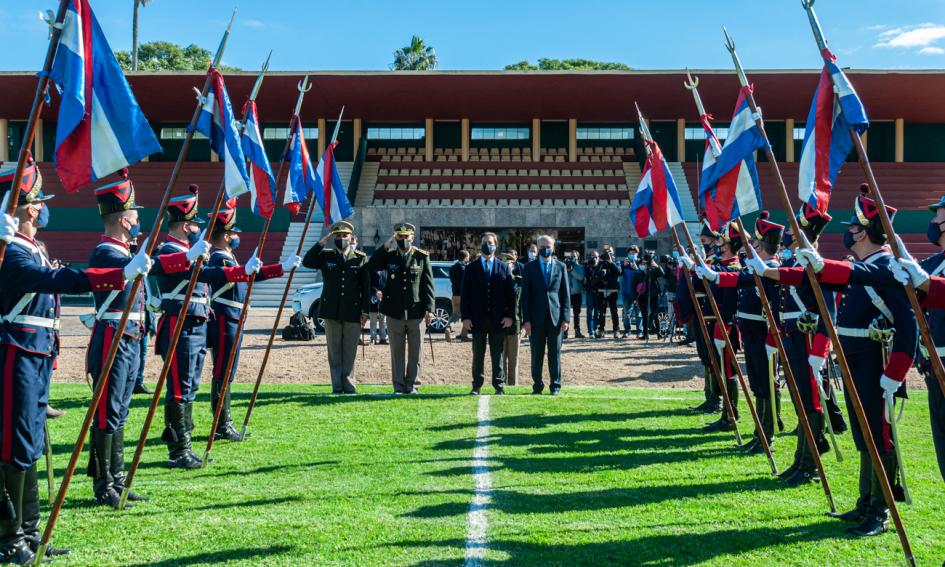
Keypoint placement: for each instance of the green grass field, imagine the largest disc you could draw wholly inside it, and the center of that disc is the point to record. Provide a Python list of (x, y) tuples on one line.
[(597, 476)]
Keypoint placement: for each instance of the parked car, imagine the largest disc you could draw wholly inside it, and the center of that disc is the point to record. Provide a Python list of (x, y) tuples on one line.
[(307, 299)]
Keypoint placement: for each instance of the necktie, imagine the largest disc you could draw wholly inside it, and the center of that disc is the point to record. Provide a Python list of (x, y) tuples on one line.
[(547, 268)]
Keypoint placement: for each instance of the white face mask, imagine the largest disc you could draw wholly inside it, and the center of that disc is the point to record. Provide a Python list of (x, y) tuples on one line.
[(532, 255)]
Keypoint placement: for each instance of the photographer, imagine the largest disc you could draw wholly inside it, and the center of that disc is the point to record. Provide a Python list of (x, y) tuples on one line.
[(591, 277), (575, 284), (607, 289), (629, 280), (649, 292)]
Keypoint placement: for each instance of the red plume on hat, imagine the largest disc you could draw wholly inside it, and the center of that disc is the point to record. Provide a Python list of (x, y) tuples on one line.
[(193, 188)]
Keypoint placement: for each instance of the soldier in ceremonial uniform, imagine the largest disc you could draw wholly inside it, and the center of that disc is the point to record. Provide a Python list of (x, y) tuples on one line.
[(183, 246), (346, 300), (226, 305), (408, 299), (29, 322)]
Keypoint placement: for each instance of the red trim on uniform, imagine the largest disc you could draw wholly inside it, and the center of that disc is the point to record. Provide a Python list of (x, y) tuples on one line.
[(791, 276), (176, 240), (7, 450), (819, 346), (728, 279), (221, 342), (112, 240), (174, 263), (935, 298), (175, 376), (815, 392), (106, 279), (272, 271), (835, 272), (898, 365), (103, 401), (235, 274)]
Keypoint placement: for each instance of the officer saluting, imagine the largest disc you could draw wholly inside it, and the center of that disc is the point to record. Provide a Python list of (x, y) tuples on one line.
[(29, 323), (408, 299), (345, 302), (226, 304)]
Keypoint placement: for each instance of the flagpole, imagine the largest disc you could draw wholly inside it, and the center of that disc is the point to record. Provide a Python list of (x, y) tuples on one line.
[(898, 252), (774, 328), (55, 31), (854, 397), (177, 331), (285, 292), (713, 355), (122, 323)]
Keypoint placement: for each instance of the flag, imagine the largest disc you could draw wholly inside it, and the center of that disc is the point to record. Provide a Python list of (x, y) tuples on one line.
[(217, 122), (827, 141), (332, 199), (101, 129), (656, 204), (301, 179), (732, 178), (262, 184), (712, 148)]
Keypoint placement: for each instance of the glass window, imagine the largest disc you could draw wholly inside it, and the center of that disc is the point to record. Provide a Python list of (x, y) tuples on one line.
[(799, 133), (698, 133), (179, 134), (605, 133), (500, 133), (283, 133), (385, 133)]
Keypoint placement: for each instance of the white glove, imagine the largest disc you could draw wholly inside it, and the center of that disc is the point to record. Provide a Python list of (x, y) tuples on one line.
[(8, 224), (917, 276), (757, 265), (291, 263), (254, 264), (685, 260), (140, 263), (810, 256), (890, 387), (899, 272), (201, 248), (707, 274), (817, 366)]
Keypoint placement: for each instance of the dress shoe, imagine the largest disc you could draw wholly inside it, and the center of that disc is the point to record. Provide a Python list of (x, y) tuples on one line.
[(759, 449), (800, 478), (20, 554), (750, 446), (789, 472), (186, 461), (536, 390), (855, 515), (500, 391), (110, 498), (872, 525), (701, 407), (578, 335), (556, 392), (474, 392), (713, 407), (142, 389), (382, 342), (55, 551), (720, 425), (53, 413)]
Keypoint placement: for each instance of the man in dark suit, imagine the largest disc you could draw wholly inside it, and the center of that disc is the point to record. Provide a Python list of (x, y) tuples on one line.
[(487, 303), (546, 312)]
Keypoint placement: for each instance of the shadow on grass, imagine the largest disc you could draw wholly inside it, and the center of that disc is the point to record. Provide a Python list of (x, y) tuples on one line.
[(225, 556), (251, 503), (280, 468), (539, 420)]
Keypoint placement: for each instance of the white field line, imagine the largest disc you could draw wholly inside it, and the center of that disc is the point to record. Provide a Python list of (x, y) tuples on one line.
[(482, 496)]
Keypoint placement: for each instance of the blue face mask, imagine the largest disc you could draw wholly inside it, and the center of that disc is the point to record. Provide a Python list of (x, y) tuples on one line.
[(193, 238), (787, 255), (632, 257), (43, 220), (545, 251), (848, 241), (935, 232), (235, 243), (135, 231), (787, 240), (487, 249)]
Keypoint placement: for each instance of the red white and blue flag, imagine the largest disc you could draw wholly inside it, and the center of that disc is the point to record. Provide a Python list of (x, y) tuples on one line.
[(301, 179), (262, 184), (332, 199), (729, 185), (217, 122), (835, 109), (101, 129), (656, 205)]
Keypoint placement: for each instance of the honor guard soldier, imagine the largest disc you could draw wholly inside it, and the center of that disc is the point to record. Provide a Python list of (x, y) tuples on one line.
[(346, 300), (29, 323), (226, 304), (181, 249), (408, 300), (753, 325)]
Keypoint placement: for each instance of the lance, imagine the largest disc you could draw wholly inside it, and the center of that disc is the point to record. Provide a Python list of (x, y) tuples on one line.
[(285, 292), (55, 31), (176, 332), (50, 473), (123, 321), (713, 355), (897, 250), (854, 397), (774, 328)]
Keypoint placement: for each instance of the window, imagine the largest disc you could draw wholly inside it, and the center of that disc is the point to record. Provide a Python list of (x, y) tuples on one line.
[(799, 133), (283, 133), (500, 133), (396, 133), (698, 133), (179, 134), (605, 133)]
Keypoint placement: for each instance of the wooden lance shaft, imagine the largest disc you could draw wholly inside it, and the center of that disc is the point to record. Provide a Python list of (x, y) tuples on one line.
[(848, 383), (123, 322)]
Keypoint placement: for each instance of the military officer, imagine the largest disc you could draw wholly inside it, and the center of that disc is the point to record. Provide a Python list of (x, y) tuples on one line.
[(346, 300), (183, 246), (408, 299), (29, 322), (226, 304)]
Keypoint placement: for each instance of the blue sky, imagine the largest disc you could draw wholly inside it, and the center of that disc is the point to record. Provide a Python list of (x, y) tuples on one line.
[(488, 34)]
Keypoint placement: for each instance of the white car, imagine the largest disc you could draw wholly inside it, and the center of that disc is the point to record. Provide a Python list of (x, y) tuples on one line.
[(307, 299)]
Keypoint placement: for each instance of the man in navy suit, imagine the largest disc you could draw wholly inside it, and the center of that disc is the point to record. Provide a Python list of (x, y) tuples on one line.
[(546, 312), (487, 304)]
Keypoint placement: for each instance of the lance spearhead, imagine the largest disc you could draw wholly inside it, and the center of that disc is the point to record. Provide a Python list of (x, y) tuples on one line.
[(334, 134), (226, 34), (815, 24), (730, 45), (259, 78)]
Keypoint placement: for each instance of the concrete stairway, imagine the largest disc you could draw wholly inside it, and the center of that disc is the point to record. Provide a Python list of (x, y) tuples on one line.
[(367, 185), (689, 210)]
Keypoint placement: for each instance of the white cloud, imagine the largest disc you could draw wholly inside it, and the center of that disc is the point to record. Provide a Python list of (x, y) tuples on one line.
[(932, 51), (253, 23), (921, 37)]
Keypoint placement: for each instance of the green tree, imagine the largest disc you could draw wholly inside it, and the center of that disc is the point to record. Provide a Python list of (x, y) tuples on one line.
[(546, 64), (168, 56), (418, 56)]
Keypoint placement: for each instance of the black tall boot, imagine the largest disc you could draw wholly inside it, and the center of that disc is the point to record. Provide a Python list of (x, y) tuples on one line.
[(177, 437), (806, 468), (225, 429), (876, 521), (724, 423), (14, 549), (834, 413), (103, 486), (118, 465), (754, 446), (858, 513), (30, 525), (766, 415), (188, 436)]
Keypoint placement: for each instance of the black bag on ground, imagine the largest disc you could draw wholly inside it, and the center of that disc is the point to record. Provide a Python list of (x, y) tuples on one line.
[(298, 329)]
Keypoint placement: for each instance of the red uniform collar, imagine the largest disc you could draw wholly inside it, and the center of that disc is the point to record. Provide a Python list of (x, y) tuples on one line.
[(176, 240), (26, 238), (111, 240), (730, 261)]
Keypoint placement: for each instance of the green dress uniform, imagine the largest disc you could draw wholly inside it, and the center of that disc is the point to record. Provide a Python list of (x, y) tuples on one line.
[(409, 295), (346, 297)]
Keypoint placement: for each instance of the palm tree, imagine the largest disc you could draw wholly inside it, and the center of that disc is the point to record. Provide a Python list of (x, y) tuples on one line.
[(417, 56), (134, 34)]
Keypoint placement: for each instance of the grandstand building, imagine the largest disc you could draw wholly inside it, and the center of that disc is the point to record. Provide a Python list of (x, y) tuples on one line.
[(518, 153)]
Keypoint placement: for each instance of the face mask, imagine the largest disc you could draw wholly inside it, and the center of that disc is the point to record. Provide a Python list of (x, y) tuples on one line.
[(787, 255), (593, 260), (43, 220), (487, 249), (193, 238), (787, 240), (342, 244), (707, 249), (848, 240), (531, 255), (935, 232), (716, 250), (403, 244), (235, 243), (632, 257), (545, 252), (135, 231)]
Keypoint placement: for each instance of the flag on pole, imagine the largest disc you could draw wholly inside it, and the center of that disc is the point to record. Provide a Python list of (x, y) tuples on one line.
[(101, 129), (262, 184), (301, 179), (730, 182), (656, 205), (713, 147), (333, 200), (835, 109), (217, 122)]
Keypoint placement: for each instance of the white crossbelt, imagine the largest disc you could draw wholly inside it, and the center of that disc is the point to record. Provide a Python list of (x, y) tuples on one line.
[(939, 349), (116, 315), (751, 316), (792, 315), (37, 321), (229, 303), (855, 333), (194, 300)]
